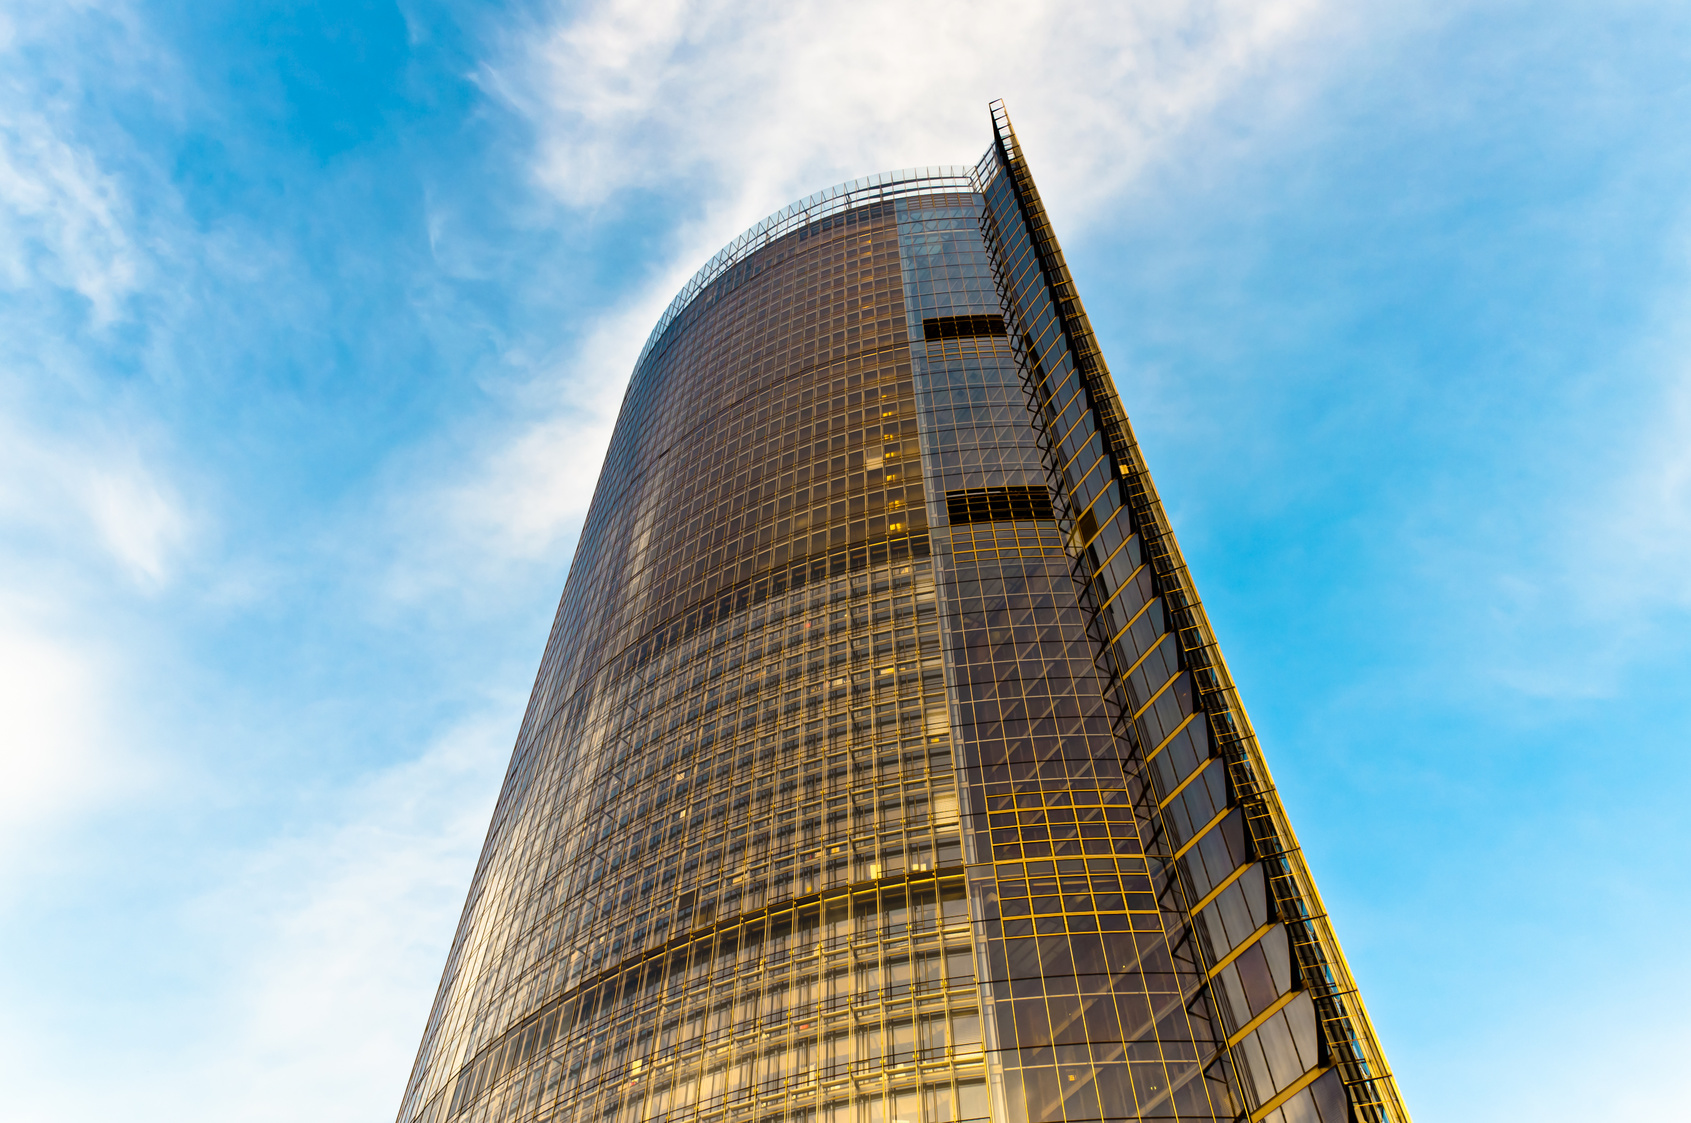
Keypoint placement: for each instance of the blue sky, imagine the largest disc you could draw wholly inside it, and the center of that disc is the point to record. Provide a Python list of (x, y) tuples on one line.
[(314, 317)]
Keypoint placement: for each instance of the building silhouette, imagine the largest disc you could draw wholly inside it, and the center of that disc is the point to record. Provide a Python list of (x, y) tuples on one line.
[(882, 765)]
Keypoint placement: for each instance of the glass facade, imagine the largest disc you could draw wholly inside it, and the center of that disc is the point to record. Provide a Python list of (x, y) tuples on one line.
[(881, 766)]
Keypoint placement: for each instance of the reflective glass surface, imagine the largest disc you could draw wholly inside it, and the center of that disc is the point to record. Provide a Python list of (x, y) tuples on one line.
[(871, 773)]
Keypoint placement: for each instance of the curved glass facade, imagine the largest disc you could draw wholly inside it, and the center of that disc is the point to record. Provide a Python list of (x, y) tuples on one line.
[(881, 766)]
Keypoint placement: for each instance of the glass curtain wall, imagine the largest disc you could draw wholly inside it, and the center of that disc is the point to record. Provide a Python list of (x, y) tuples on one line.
[(724, 877), (1242, 914), (838, 799), (1093, 1010)]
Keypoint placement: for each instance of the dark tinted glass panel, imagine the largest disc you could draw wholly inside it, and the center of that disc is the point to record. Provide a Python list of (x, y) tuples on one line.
[(997, 504), (960, 327)]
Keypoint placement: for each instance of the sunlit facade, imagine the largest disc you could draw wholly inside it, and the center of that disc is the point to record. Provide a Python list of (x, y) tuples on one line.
[(882, 765)]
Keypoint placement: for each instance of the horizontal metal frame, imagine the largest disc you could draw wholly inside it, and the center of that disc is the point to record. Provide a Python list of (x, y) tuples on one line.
[(842, 197)]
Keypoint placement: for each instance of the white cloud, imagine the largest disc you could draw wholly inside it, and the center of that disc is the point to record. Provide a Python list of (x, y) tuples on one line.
[(756, 103), (71, 519), (74, 471), (534, 485), (334, 940), (62, 217), (95, 488), (532, 492), (54, 761), (140, 522), (753, 105), (313, 964), (520, 493)]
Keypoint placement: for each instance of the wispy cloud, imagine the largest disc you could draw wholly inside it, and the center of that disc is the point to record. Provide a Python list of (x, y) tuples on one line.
[(752, 105), (336, 935), (313, 959), (1598, 584), (64, 220), (1642, 510), (72, 519), (205, 388), (94, 490), (516, 496), (87, 502), (75, 472)]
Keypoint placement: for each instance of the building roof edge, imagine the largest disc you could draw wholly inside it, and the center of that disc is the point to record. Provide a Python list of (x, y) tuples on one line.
[(841, 197)]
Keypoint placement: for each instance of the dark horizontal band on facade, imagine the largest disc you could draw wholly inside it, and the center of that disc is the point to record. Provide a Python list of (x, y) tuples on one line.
[(683, 309), (537, 1030), (823, 358), (851, 350), (760, 586), (998, 504), (767, 384), (771, 381), (962, 327), (876, 462), (898, 448)]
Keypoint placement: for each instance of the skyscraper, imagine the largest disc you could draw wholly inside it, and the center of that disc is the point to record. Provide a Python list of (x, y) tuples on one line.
[(882, 765)]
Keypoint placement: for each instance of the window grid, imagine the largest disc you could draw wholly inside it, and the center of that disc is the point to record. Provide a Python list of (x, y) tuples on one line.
[(1095, 1005), (848, 791)]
